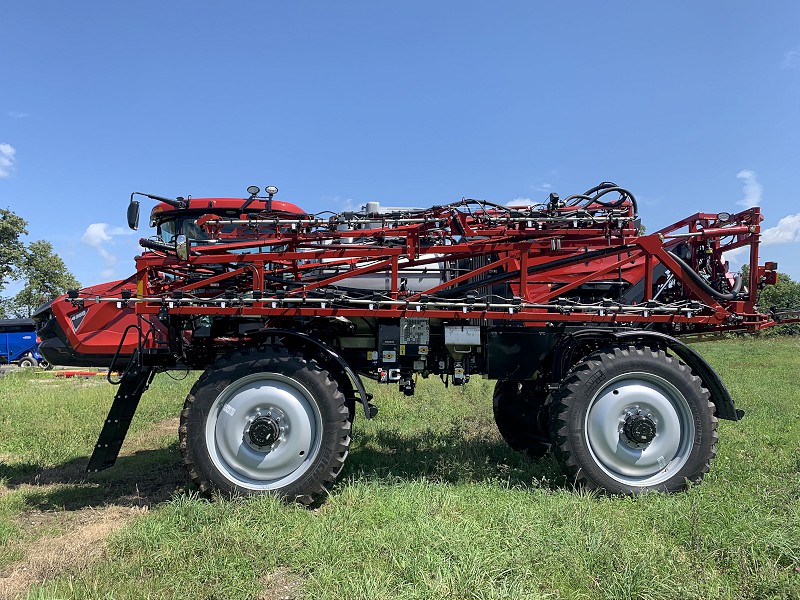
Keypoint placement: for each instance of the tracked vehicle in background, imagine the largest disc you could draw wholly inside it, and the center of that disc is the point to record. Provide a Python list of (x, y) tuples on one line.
[(572, 310)]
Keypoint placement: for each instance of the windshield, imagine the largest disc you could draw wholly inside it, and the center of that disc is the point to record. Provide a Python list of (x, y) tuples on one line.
[(169, 228)]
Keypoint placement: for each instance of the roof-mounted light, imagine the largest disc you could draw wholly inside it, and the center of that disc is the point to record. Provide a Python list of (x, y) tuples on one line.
[(271, 190), (253, 190), (723, 217)]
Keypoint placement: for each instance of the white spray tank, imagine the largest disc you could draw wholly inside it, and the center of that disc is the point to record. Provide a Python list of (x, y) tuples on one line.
[(412, 279)]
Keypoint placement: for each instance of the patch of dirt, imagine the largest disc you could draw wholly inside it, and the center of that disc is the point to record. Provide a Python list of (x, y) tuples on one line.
[(83, 542), (280, 585), (71, 532), (77, 381), (144, 439)]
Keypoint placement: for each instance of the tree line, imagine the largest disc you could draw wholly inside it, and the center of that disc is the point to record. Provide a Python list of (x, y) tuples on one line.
[(42, 272), (785, 294)]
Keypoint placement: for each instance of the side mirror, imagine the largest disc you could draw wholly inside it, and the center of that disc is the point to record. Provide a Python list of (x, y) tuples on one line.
[(183, 247), (133, 214)]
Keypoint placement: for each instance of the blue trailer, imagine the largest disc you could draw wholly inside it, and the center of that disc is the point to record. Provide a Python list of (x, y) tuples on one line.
[(19, 344)]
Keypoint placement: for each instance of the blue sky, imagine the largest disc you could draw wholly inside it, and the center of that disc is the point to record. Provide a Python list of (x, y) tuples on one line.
[(691, 105)]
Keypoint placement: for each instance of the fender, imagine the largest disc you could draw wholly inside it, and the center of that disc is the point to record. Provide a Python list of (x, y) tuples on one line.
[(369, 410), (723, 402)]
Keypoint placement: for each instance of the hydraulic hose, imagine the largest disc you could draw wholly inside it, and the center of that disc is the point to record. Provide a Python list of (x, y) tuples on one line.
[(593, 196), (698, 279), (737, 284), (156, 245)]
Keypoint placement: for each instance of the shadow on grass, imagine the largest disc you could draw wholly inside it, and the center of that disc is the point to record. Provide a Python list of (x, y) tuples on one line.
[(450, 457), (144, 478), (150, 477)]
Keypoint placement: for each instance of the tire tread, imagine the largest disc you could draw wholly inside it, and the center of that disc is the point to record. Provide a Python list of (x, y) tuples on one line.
[(222, 372), (564, 402)]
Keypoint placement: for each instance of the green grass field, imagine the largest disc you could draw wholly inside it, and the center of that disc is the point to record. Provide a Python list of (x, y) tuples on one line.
[(431, 504)]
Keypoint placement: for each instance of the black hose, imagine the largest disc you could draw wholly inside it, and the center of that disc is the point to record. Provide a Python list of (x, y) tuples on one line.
[(568, 200), (593, 196), (154, 245), (698, 279), (737, 284)]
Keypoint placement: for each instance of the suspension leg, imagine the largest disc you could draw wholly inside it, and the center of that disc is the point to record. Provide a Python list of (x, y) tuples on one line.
[(134, 382)]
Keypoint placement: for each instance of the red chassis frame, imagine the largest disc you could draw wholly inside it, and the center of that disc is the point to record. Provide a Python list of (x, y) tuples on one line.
[(542, 258)]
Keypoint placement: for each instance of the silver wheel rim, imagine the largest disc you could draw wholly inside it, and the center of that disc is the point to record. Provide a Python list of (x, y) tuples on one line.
[(263, 395), (653, 397)]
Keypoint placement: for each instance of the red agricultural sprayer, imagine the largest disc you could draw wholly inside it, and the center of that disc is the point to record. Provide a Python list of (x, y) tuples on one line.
[(568, 305)]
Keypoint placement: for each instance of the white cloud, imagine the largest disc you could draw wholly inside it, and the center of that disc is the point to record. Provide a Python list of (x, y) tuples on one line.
[(787, 230), (791, 59), (339, 204), (733, 255), (521, 202), (96, 234), (543, 187), (17, 115), (99, 236), (752, 189), (7, 153)]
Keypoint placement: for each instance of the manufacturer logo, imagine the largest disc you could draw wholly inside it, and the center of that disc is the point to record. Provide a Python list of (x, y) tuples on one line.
[(77, 319)]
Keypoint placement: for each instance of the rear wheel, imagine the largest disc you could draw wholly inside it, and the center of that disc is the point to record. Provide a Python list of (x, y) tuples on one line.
[(27, 362), (632, 420), (265, 420), (521, 417)]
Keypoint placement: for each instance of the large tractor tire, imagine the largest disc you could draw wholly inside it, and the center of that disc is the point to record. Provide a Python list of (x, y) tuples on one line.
[(265, 420), (521, 417), (630, 420)]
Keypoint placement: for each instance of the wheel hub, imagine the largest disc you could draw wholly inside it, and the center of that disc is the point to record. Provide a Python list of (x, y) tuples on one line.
[(639, 429), (263, 431)]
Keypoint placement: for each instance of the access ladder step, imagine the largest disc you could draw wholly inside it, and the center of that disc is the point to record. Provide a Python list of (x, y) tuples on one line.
[(126, 400)]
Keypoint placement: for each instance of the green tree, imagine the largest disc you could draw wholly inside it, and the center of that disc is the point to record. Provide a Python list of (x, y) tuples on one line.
[(12, 250), (784, 294), (45, 277)]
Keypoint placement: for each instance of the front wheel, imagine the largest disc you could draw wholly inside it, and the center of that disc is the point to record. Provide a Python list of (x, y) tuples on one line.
[(633, 419), (28, 362), (265, 420)]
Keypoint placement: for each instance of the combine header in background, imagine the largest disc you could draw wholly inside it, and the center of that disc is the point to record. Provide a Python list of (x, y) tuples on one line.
[(566, 304)]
